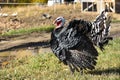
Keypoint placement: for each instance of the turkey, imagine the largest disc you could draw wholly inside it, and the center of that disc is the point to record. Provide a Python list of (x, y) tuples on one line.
[(74, 44)]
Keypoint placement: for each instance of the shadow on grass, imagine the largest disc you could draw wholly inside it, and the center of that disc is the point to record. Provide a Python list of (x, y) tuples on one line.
[(106, 71)]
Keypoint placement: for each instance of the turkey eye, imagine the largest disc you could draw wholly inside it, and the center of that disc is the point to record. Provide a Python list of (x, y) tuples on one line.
[(59, 19)]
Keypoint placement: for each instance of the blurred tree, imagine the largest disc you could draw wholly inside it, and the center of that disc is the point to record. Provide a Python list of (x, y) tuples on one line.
[(68, 1), (40, 1), (23, 1)]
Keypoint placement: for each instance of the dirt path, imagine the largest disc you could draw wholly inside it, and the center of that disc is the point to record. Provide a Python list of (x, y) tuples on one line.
[(34, 39), (115, 30), (40, 39)]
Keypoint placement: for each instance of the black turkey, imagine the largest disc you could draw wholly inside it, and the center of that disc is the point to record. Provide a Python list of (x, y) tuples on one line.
[(74, 44)]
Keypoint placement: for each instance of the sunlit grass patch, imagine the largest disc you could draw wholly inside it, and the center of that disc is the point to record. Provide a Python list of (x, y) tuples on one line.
[(28, 30), (115, 21), (39, 66), (109, 60)]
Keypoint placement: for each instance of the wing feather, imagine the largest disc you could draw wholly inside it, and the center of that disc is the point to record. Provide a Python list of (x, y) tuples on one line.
[(73, 47)]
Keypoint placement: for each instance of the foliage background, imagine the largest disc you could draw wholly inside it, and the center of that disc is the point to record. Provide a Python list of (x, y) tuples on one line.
[(24, 1), (41, 1)]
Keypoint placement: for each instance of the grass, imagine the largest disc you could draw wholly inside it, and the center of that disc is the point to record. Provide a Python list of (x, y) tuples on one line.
[(28, 30), (115, 21), (47, 67)]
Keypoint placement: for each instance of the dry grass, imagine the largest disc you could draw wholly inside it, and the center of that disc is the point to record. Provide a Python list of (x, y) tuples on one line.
[(31, 16)]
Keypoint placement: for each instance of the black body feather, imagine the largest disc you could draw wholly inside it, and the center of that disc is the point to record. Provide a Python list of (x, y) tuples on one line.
[(73, 47)]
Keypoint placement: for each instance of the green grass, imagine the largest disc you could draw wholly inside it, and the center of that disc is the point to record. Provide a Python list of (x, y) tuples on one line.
[(28, 30), (115, 21), (47, 67)]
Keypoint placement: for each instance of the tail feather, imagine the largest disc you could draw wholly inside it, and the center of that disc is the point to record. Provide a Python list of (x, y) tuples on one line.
[(101, 30), (80, 61), (75, 66)]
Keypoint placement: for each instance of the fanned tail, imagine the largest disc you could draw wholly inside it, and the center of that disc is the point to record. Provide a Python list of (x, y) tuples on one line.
[(101, 30), (78, 61), (83, 57)]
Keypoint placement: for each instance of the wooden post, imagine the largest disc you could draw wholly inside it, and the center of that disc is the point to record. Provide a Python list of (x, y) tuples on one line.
[(98, 6), (87, 6), (101, 6), (114, 6), (81, 6), (54, 6), (7, 1), (74, 5), (93, 6)]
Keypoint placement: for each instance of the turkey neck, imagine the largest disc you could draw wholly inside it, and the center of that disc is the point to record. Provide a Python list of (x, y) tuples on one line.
[(59, 31)]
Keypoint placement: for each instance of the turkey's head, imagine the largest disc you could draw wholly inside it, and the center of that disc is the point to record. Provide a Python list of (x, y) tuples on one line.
[(59, 22)]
